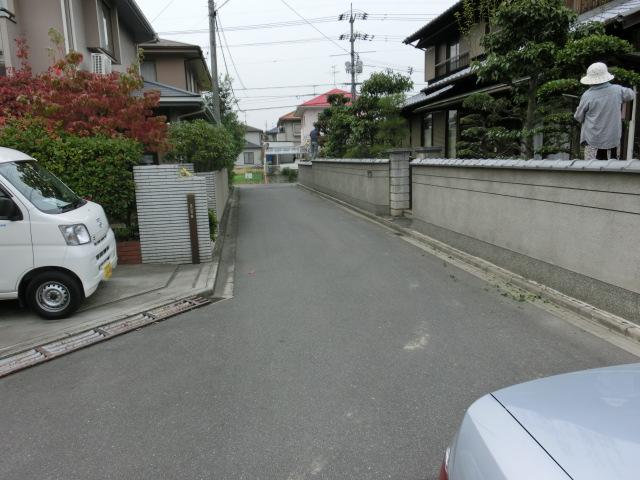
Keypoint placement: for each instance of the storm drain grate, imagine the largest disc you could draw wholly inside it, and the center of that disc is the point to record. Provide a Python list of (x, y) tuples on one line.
[(48, 351)]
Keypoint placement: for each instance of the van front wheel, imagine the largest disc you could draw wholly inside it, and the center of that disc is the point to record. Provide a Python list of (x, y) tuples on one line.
[(54, 295)]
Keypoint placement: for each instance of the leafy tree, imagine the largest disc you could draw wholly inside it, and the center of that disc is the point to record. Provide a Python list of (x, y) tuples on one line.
[(209, 147), (521, 50), (80, 102), (335, 125), (371, 124), (487, 129), (230, 119), (558, 98), (540, 50)]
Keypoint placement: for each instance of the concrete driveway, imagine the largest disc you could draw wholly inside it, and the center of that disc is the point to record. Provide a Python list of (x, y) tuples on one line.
[(131, 290)]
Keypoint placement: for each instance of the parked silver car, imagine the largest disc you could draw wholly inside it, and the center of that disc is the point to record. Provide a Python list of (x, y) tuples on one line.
[(581, 426)]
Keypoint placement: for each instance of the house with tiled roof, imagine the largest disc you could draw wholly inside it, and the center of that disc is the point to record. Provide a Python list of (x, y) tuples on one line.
[(434, 112), (251, 155), (309, 111), (179, 72)]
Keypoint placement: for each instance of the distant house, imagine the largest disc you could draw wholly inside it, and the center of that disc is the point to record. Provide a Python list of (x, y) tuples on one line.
[(283, 142), (106, 32), (309, 111), (434, 113), (290, 128), (179, 72), (252, 153)]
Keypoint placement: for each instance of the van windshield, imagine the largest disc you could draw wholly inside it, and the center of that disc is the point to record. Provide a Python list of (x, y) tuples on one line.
[(40, 186)]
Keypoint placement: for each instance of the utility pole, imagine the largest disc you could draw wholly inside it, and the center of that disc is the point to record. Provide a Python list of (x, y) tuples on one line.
[(355, 65), (352, 40), (214, 61)]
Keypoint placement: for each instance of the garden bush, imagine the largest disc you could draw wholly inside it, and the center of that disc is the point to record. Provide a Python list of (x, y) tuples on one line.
[(209, 147), (97, 167)]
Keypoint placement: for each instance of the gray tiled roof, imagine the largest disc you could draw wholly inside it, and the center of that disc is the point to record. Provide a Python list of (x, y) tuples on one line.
[(423, 97), (611, 11), (163, 42)]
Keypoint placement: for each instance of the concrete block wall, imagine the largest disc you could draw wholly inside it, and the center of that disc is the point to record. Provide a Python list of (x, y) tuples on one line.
[(399, 182), (361, 182), (161, 196), (571, 225)]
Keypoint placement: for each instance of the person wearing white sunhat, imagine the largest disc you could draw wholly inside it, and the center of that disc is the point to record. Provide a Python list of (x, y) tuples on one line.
[(599, 113)]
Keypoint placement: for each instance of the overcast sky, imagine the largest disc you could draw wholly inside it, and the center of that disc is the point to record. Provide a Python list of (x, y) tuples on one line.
[(306, 67)]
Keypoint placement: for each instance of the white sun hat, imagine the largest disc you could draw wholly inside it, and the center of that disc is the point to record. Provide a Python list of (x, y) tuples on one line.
[(597, 73)]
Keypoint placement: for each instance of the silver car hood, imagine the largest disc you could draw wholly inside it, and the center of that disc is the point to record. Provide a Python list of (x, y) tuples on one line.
[(589, 421)]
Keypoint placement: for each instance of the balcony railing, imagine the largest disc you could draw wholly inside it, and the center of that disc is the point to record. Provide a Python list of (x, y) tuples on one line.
[(452, 64)]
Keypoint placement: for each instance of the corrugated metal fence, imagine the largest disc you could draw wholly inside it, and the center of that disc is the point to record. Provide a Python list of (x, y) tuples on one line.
[(161, 194)]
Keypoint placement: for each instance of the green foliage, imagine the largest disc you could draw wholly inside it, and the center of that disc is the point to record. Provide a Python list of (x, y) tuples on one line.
[(369, 126), (257, 177), (209, 147), (96, 167), (489, 128), (539, 49), (290, 174), (578, 54), (474, 11), (213, 224)]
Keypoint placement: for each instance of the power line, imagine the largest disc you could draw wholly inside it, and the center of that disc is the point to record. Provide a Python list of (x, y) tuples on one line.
[(269, 108), (223, 4), (288, 86), (314, 27), (235, 68), (226, 68), (163, 10), (295, 23)]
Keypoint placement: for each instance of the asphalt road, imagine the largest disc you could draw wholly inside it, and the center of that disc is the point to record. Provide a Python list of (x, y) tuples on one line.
[(346, 353)]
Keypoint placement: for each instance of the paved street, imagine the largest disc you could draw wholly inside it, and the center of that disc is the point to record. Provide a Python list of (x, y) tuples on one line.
[(346, 353)]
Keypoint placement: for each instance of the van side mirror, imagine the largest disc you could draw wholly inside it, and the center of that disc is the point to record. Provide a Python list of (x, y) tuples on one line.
[(9, 210)]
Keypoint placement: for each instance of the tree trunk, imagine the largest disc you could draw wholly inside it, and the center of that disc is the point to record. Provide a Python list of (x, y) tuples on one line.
[(530, 123)]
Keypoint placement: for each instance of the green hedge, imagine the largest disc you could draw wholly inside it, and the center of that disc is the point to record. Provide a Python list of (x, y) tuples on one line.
[(98, 168)]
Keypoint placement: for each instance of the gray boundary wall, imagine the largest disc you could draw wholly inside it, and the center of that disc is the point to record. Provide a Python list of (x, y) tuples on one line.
[(161, 195), (571, 225), (361, 182), (217, 190)]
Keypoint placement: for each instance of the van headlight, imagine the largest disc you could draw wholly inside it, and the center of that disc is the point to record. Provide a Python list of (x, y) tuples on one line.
[(75, 234)]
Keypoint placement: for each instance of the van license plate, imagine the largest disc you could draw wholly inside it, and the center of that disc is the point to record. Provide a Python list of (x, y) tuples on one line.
[(107, 271)]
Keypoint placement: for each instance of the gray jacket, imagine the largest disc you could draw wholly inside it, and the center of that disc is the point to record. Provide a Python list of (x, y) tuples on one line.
[(599, 114)]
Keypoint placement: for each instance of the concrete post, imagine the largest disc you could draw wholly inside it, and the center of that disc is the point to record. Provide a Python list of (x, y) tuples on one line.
[(399, 181)]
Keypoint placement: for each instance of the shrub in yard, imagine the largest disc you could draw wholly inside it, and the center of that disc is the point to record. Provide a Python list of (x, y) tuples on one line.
[(99, 168), (290, 174), (65, 97), (209, 147), (213, 224)]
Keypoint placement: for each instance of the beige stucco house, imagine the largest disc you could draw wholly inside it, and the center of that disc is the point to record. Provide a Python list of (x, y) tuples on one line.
[(179, 72), (112, 29)]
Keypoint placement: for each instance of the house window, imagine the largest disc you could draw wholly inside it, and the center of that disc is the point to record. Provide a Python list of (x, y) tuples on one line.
[(449, 58), (427, 130), (105, 26), (148, 71), (249, 158), (297, 129), (452, 133)]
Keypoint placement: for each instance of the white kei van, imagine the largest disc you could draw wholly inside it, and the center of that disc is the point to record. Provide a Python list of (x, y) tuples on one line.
[(55, 247)]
